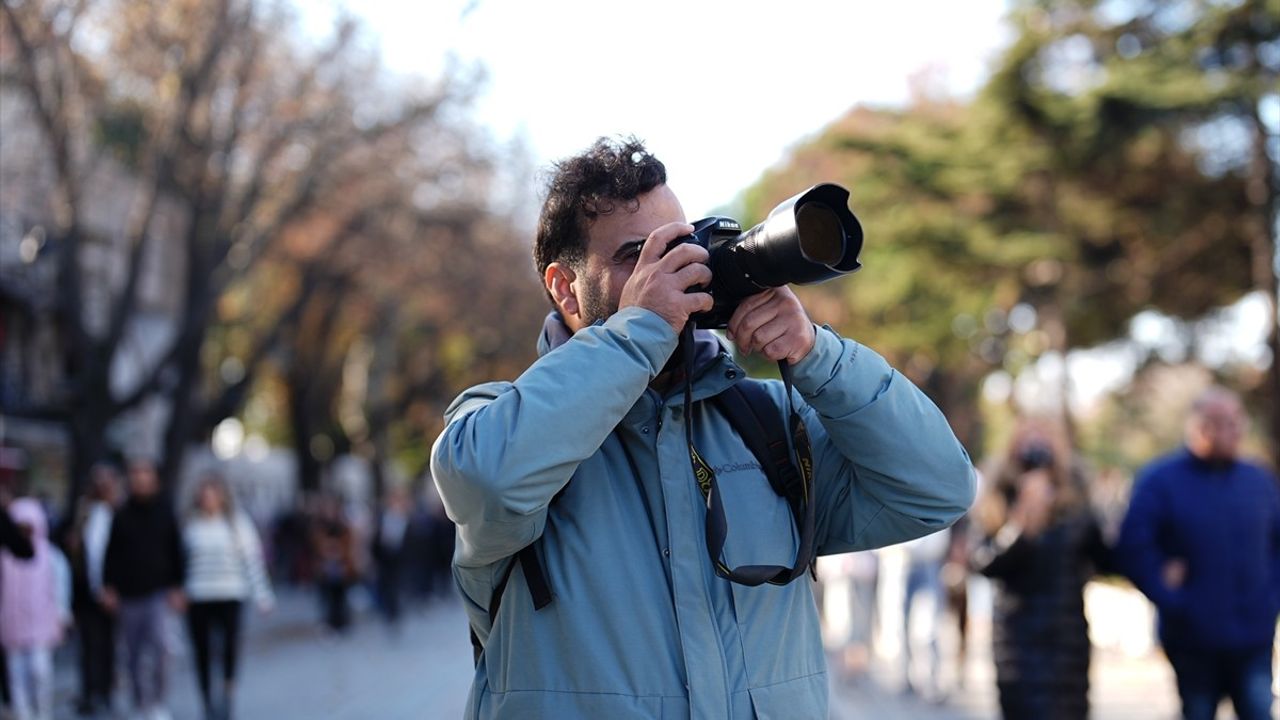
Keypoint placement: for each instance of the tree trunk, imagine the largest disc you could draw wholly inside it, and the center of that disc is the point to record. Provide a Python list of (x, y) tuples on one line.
[(88, 444), (303, 427)]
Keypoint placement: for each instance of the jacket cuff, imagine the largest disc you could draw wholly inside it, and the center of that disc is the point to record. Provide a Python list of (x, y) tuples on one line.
[(863, 374), (646, 330)]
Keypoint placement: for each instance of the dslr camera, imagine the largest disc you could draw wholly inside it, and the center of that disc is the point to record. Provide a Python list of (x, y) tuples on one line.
[(807, 239)]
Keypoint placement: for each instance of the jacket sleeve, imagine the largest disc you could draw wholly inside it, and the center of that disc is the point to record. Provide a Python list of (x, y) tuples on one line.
[(1138, 551), (887, 466), (508, 448), (177, 571), (1008, 554), (113, 562), (1274, 497)]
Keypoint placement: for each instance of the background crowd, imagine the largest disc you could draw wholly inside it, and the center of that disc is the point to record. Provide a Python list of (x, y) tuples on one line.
[(127, 571)]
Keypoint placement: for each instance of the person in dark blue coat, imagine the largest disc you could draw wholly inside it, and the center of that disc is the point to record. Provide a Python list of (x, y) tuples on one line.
[(1202, 540)]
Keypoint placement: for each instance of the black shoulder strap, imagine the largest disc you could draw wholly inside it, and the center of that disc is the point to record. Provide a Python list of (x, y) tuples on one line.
[(534, 577), (757, 419)]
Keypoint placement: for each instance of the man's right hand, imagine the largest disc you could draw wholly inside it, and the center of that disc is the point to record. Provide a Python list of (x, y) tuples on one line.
[(659, 281)]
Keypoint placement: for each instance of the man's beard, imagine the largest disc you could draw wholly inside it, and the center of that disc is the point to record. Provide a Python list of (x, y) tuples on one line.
[(596, 307)]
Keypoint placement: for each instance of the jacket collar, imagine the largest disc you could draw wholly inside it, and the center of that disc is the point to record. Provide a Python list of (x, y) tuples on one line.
[(714, 371)]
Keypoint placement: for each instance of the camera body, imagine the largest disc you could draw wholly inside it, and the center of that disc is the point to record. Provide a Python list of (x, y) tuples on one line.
[(718, 235), (809, 238), (1036, 456)]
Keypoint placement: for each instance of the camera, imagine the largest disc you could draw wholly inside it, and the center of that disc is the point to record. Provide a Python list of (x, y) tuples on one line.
[(1036, 456), (807, 239)]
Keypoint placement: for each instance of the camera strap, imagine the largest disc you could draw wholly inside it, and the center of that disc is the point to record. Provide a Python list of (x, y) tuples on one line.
[(791, 476)]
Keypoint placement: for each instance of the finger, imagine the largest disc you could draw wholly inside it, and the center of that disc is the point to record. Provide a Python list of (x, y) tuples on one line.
[(656, 244), (682, 255), (749, 325), (767, 335), (738, 323), (692, 274), (751, 302), (780, 349), (698, 302)]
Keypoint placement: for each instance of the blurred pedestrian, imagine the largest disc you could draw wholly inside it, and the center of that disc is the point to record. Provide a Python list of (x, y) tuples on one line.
[(335, 551), (1202, 540), (35, 610), (389, 550), (863, 572), (1040, 543), (291, 542), (143, 576), (86, 545), (924, 558), (441, 538), (13, 540), (225, 568), (955, 585)]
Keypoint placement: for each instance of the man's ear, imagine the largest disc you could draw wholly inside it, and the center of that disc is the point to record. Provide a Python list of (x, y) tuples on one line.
[(559, 279)]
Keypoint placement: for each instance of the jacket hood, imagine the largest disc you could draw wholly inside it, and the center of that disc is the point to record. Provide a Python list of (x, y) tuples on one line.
[(28, 511)]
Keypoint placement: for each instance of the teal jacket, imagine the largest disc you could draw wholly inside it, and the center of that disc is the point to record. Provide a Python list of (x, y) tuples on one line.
[(641, 626)]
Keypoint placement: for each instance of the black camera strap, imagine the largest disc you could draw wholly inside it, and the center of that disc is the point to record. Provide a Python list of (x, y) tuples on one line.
[(791, 476)]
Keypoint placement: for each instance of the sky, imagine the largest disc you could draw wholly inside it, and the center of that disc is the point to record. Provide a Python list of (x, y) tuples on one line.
[(718, 90)]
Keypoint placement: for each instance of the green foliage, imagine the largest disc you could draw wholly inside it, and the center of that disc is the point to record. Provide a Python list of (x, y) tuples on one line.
[(1077, 182)]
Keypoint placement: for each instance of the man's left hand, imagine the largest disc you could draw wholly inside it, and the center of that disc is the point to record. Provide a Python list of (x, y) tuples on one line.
[(774, 324)]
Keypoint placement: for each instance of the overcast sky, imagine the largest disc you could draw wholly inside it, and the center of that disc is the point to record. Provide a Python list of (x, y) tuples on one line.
[(719, 90)]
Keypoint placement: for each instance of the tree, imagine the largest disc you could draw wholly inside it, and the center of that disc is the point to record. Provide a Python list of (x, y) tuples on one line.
[(215, 106), (1115, 86), (1027, 198)]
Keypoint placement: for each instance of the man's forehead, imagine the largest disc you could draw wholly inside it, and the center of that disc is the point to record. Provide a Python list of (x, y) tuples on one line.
[(635, 219)]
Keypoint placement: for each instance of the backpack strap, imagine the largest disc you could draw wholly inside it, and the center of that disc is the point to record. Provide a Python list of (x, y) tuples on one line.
[(535, 578), (753, 414), (803, 508)]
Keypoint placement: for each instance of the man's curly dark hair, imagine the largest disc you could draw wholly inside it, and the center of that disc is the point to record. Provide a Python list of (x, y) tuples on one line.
[(586, 186)]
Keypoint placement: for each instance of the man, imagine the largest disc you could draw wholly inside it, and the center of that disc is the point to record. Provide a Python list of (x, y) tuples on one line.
[(1202, 540), (585, 456), (388, 549), (86, 545), (143, 576)]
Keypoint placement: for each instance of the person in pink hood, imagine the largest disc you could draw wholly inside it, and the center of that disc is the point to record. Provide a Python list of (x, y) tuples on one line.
[(35, 608)]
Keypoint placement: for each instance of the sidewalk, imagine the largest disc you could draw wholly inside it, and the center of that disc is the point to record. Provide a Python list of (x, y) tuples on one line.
[(293, 669), (1121, 688)]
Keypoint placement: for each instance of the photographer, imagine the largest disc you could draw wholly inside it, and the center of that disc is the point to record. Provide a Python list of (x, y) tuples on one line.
[(589, 459), (1041, 543)]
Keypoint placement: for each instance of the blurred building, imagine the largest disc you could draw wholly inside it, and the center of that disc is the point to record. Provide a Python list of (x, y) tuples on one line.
[(35, 363)]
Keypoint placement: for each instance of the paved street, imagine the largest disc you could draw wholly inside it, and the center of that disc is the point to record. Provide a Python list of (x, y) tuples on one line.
[(294, 669)]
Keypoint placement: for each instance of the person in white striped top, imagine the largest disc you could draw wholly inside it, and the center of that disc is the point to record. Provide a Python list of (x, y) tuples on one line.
[(224, 570)]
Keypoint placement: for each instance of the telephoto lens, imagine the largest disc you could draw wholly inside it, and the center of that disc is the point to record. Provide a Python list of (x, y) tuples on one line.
[(810, 238)]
